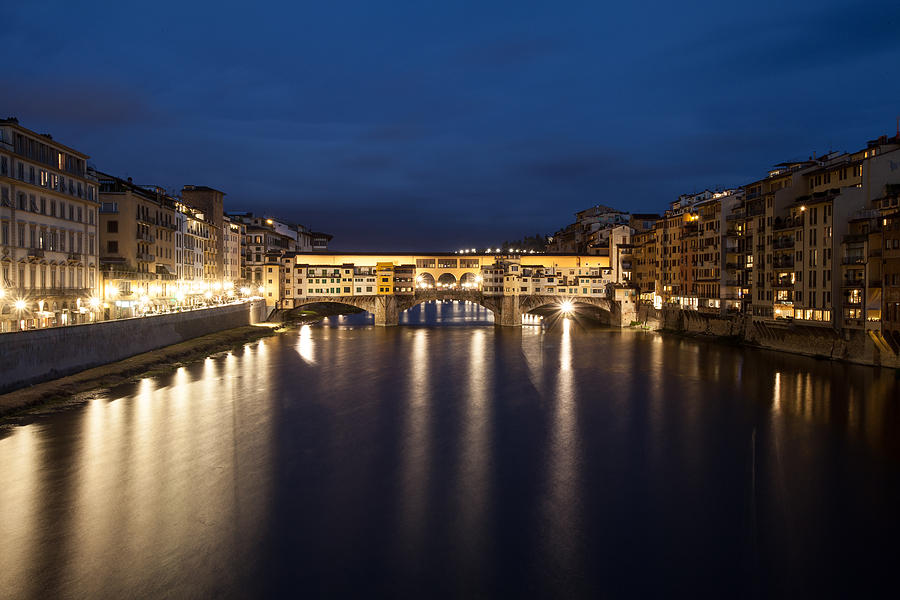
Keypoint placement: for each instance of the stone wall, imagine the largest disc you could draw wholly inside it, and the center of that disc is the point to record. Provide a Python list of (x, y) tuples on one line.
[(851, 345), (29, 357)]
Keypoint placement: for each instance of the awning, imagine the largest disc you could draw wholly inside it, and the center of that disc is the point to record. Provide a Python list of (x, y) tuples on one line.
[(163, 270)]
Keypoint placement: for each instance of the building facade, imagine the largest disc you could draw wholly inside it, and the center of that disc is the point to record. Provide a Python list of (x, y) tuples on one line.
[(49, 269)]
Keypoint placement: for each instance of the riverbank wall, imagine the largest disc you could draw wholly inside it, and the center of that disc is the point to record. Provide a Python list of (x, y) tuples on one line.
[(29, 357), (852, 345)]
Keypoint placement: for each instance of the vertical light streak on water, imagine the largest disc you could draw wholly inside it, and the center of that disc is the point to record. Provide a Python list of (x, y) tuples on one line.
[(137, 473), (99, 518), (305, 347), (776, 394), (416, 446), (20, 501), (474, 491), (563, 490), (656, 407)]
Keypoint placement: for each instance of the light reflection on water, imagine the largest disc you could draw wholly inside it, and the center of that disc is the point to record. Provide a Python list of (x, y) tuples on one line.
[(344, 458)]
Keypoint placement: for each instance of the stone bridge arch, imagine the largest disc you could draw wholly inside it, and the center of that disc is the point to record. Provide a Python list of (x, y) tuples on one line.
[(365, 303), (531, 303), (508, 310)]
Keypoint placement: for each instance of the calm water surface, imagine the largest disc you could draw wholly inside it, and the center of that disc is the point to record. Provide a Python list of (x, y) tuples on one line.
[(448, 458)]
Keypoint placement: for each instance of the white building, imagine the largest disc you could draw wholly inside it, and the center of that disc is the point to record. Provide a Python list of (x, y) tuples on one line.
[(49, 267)]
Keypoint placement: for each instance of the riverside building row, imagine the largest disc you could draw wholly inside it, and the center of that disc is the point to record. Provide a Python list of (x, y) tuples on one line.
[(814, 242), (78, 245)]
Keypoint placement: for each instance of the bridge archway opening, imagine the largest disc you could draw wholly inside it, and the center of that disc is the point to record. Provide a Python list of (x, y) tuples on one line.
[(446, 281), (562, 308), (324, 309), (448, 307), (468, 281), (425, 281)]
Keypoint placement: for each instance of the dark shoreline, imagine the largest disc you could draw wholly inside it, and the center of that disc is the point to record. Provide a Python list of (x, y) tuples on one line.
[(738, 342), (74, 389), (32, 399)]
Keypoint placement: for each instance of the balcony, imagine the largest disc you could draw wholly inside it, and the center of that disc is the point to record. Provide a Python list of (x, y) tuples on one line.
[(854, 238), (145, 236), (782, 224), (783, 243), (783, 283), (35, 253), (853, 260), (145, 257), (73, 257), (783, 262), (853, 283)]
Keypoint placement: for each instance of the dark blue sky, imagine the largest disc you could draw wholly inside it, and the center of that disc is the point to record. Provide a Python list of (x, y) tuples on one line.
[(451, 124)]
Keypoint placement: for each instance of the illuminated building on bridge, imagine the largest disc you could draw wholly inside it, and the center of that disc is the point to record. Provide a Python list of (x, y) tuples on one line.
[(386, 284)]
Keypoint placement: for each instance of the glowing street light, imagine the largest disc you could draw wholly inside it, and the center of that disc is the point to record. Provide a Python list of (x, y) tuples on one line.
[(20, 305), (94, 302), (262, 290), (566, 307)]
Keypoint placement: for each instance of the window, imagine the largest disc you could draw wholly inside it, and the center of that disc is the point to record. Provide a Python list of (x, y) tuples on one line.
[(112, 227)]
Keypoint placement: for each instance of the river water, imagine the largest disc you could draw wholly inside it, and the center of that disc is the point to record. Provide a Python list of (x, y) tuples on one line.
[(445, 457)]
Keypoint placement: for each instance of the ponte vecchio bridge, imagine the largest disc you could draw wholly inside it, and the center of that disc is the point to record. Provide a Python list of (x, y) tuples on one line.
[(507, 284)]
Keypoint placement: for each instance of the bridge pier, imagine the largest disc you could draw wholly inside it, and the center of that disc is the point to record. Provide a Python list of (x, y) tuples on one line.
[(509, 315), (387, 312)]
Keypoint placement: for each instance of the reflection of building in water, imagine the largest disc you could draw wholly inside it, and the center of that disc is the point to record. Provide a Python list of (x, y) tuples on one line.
[(562, 478), (860, 404)]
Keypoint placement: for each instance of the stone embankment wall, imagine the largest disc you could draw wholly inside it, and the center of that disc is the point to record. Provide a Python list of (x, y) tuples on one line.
[(29, 357), (852, 345)]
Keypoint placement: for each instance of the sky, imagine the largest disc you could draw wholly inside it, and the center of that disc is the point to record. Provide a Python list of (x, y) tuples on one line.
[(443, 125)]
